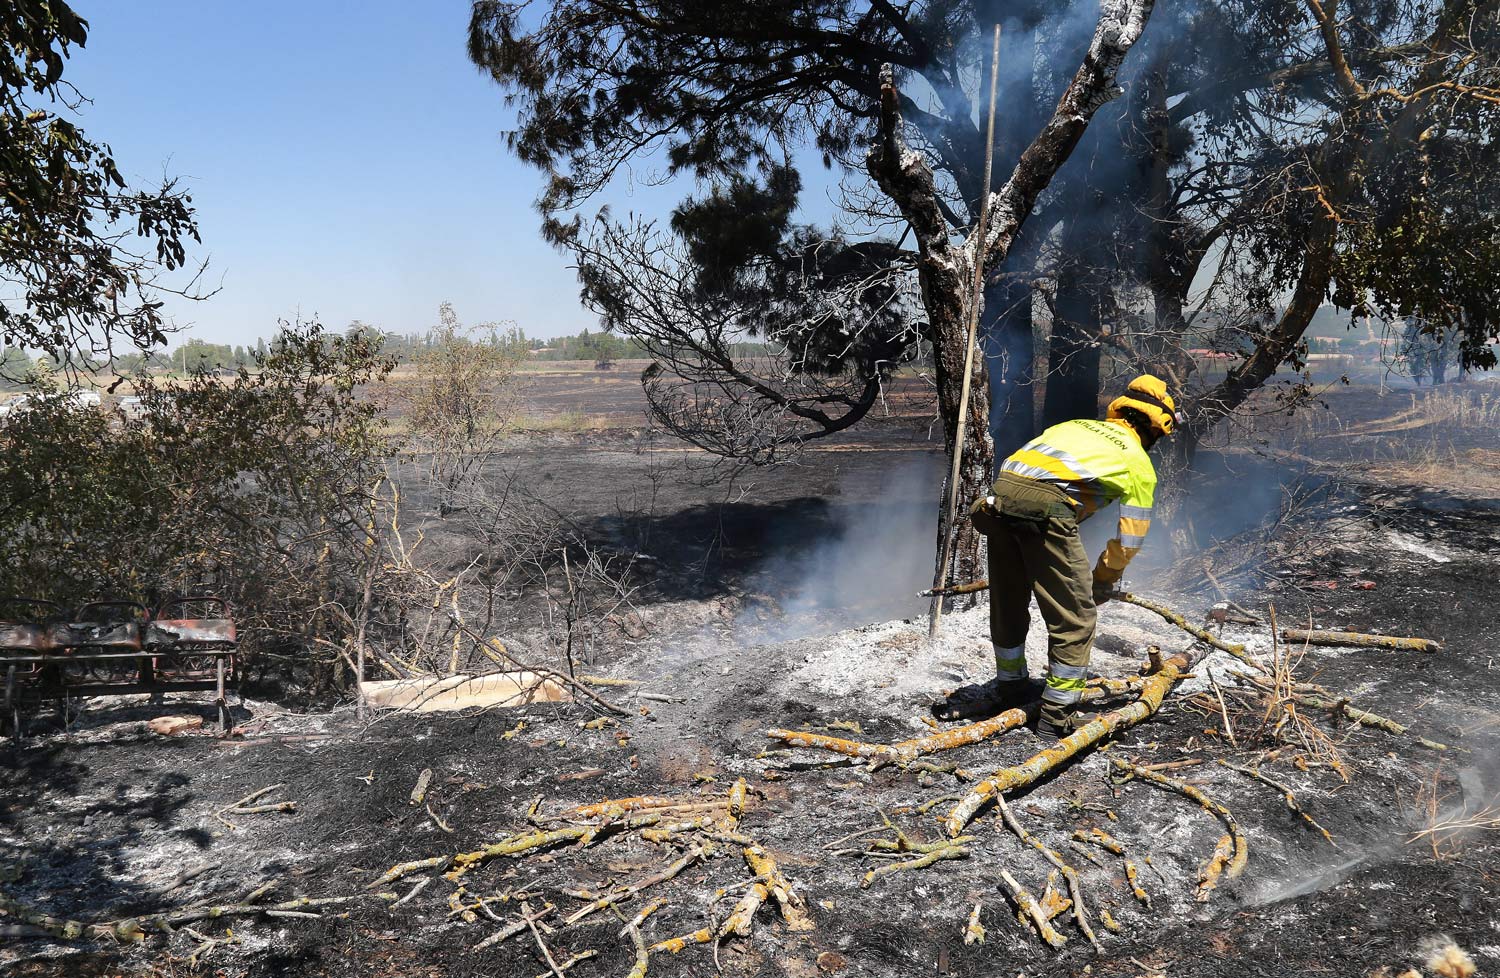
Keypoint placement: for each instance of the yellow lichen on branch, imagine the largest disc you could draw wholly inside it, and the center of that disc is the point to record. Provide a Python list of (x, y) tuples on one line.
[(742, 918), (614, 808), (642, 955), (838, 745), (1360, 640), (1008, 779), (1028, 909), (524, 842), (1080, 913), (1208, 877), (909, 750), (1201, 634), (1233, 864), (950, 851), (793, 910), (400, 870), (738, 795), (974, 930), (675, 944)]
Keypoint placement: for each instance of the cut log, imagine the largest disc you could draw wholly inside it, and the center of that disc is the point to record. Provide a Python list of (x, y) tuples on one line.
[(448, 693), (170, 726)]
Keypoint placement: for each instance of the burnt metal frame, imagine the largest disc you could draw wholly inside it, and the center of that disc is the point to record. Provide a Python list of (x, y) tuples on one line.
[(148, 639)]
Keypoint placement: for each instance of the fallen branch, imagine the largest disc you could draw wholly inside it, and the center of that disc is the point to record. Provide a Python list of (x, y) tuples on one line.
[(563, 678), (525, 842), (1201, 634), (908, 751), (134, 929), (688, 858), (1209, 876), (1321, 699), (400, 870), (537, 934), (1228, 858), (606, 681), (252, 797), (950, 851), (419, 793), (1075, 889), (793, 910), (640, 918), (642, 955), (1028, 909), (742, 918), (674, 945), (1109, 843), (280, 806), (1286, 795), (1360, 639), (246, 806), (974, 930), (1009, 779), (616, 807)]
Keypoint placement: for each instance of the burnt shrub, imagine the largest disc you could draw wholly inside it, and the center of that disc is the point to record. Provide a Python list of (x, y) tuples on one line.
[(260, 487)]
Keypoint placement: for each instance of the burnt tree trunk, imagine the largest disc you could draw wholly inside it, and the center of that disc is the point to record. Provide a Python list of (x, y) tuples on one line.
[(1011, 349), (1079, 312), (1073, 352), (945, 265)]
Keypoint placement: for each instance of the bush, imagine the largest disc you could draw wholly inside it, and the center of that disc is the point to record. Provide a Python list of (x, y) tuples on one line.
[(259, 487)]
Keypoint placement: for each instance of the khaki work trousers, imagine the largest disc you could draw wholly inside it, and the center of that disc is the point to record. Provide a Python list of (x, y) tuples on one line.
[(1034, 548)]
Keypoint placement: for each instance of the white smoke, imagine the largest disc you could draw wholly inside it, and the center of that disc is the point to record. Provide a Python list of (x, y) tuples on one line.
[(866, 566)]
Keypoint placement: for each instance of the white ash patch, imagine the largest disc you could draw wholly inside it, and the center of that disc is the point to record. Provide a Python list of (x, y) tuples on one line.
[(1216, 667), (1421, 548), (894, 663)]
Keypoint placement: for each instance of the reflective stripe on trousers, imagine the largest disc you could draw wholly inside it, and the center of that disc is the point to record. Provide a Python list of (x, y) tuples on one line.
[(1010, 663)]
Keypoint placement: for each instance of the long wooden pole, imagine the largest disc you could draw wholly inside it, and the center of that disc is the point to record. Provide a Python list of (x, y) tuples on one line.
[(960, 431)]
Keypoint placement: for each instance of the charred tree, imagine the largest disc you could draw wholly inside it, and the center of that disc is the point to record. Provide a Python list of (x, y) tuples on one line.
[(1011, 348), (722, 89), (944, 266)]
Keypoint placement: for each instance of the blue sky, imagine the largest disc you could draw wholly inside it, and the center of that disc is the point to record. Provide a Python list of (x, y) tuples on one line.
[(346, 160)]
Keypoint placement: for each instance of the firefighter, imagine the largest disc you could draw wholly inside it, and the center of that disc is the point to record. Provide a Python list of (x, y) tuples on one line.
[(1045, 489)]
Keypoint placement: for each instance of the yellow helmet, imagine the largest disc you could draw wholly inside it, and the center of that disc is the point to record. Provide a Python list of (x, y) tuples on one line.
[(1148, 395)]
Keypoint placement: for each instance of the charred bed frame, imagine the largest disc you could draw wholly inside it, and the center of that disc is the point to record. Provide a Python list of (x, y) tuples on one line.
[(115, 647)]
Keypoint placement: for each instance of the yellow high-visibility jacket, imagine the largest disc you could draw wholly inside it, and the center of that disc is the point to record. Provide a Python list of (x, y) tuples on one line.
[(1096, 463)]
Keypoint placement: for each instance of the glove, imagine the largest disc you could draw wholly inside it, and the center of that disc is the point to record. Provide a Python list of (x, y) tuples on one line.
[(1102, 592)]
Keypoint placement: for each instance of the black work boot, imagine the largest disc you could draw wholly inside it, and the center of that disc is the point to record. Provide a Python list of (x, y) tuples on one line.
[(1056, 721), (987, 699)]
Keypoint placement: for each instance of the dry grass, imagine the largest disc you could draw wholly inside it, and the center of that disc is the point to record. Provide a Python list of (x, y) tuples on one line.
[(565, 423), (1462, 407), (1283, 722), (1445, 827)]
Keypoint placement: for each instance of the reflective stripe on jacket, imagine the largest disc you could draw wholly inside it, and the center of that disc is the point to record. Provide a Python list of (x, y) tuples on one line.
[(1096, 463)]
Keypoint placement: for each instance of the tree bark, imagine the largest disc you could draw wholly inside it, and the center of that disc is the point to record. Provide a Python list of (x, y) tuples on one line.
[(1078, 316), (1010, 347), (1073, 353)]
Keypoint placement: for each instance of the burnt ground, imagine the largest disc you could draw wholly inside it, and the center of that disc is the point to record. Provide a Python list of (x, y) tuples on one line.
[(108, 820)]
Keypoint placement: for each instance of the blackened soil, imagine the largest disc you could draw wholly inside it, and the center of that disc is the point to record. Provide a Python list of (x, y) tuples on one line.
[(110, 821)]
